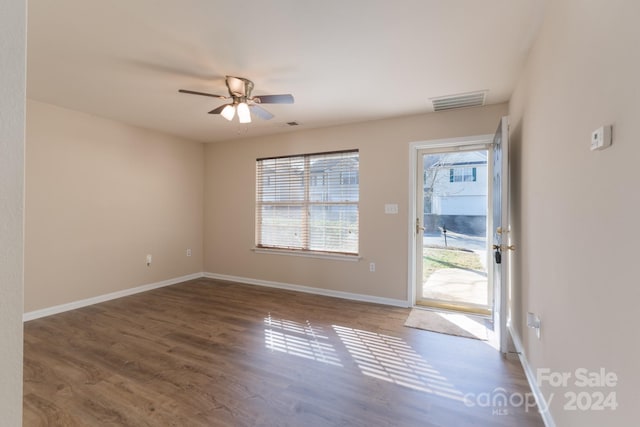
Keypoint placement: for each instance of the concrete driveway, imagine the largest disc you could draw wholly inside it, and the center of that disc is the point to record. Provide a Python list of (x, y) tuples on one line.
[(453, 284)]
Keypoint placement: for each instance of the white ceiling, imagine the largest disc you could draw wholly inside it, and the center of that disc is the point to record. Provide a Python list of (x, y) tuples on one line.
[(343, 60)]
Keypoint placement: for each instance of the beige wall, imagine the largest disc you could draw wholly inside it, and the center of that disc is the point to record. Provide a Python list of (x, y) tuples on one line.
[(100, 196), (12, 117), (578, 231), (384, 178)]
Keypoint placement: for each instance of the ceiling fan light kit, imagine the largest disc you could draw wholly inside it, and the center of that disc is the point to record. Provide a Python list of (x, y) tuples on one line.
[(228, 112), (242, 102), (244, 115)]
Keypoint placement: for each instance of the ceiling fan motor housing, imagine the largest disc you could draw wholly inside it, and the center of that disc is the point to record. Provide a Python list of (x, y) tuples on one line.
[(239, 87)]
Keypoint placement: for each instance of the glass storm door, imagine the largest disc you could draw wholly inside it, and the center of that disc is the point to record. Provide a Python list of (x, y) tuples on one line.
[(500, 231), (451, 223)]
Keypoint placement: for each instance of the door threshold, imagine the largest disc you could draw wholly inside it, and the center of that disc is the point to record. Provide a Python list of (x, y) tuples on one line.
[(458, 308)]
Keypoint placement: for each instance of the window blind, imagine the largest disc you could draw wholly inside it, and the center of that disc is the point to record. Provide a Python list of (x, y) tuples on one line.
[(308, 202)]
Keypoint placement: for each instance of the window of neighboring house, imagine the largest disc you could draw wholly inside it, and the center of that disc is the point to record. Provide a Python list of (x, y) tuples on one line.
[(462, 175), (311, 203), (317, 179), (349, 177)]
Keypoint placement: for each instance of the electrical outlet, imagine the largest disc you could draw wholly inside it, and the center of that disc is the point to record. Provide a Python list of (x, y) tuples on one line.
[(372, 267), (188, 252), (533, 322)]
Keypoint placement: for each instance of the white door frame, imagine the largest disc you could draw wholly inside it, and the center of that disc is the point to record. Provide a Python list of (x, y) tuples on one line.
[(464, 142)]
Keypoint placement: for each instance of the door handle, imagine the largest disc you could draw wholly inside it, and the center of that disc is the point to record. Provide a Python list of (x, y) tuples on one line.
[(418, 227), (503, 247)]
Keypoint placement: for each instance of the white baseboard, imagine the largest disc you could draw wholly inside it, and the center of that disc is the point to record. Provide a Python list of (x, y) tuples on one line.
[(36, 314), (532, 379), (310, 290)]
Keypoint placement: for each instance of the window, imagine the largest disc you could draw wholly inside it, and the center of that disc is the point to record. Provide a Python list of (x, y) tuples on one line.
[(462, 175), (308, 202)]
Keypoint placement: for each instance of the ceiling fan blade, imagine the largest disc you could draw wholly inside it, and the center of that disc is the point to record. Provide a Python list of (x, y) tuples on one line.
[(193, 92), (219, 109), (260, 112), (274, 99)]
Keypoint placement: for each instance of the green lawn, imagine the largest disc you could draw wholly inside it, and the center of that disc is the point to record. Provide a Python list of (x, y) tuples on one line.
[(436, 259)]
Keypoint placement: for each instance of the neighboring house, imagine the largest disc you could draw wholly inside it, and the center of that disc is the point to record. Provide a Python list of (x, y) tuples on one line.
[(455, 192), (331, 179), (334, 179)]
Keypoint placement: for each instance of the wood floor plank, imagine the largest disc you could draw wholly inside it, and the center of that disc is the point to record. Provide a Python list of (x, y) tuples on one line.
[(212, 353)]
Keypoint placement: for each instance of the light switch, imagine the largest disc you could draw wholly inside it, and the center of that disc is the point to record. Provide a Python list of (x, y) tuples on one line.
[(391, 208)]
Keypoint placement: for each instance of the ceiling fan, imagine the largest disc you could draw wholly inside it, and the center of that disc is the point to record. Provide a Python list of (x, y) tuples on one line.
[(241, 100)]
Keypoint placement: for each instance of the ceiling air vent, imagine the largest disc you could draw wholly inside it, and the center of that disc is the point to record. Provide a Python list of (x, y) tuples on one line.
[(462, 100)]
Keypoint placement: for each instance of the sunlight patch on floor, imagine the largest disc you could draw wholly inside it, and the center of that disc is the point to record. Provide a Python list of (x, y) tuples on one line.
[(299, 339), (391, 359)]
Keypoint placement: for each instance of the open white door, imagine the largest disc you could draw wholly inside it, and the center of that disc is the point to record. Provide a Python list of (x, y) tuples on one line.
[(500, 234)]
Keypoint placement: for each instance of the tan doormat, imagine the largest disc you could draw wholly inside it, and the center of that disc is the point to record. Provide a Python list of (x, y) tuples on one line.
[(447, 323)]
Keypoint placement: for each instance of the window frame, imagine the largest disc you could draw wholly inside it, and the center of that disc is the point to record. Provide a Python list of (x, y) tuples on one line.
[(307, 204)]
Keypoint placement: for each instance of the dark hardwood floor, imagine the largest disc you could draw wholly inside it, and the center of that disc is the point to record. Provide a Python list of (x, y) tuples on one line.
[(209, 353)]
